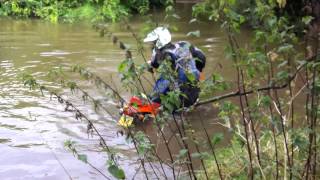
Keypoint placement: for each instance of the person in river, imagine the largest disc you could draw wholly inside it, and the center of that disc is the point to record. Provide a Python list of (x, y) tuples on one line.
[(186, 60), (187, 63)]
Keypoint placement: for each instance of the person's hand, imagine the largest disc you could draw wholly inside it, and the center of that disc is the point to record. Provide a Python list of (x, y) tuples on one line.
[(150, 69)]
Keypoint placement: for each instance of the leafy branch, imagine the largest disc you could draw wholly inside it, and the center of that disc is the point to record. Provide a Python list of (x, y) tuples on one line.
[(97, 80), (70, 145), (28, 80), (266, 88)]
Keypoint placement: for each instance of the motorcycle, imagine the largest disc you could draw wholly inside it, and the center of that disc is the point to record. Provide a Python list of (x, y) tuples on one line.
[(137, 111)]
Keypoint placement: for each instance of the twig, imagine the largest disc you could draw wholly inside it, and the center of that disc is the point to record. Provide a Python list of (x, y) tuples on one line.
[(237, 93)]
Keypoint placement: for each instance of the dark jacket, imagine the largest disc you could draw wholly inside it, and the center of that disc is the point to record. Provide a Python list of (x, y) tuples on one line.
[(184, 57)]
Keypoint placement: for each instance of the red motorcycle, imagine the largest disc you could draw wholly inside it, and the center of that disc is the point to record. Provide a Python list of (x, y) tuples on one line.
[(136, 110)]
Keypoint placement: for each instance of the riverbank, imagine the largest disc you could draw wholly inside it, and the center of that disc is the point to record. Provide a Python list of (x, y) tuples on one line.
[(77, 10)]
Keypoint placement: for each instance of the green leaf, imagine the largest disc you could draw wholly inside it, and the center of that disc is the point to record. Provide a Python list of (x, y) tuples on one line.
[(72, 85), (193, 20), (260, 35), (216, 138), (183, 152), (271, 22), (202, 155), (135, 105), (116, 172), (285, 48), (265, 101), (176, 16), (214, 16), (242, 19), (282, 75), (174, 28), (251, 71), (69, 143), (228, 51), (83, 158), (307, 19), (194, 33), (282, 64), (122, 66), (299, 138), (196, 155), (282, 3), (232, 2), (169, 8), (191, 77), (29, 80), (315, 64)]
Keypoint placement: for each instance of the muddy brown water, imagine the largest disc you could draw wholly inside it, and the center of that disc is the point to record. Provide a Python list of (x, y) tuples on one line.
[(33, 128)]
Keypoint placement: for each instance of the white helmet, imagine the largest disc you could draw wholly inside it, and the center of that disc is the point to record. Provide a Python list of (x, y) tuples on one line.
[(161, 35)]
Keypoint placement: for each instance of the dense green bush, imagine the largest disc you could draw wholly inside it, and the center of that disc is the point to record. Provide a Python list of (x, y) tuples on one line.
[(275, 136), (72, 10)]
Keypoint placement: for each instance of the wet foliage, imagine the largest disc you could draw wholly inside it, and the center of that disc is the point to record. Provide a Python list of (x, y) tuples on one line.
[(75, 10), (266, 121)]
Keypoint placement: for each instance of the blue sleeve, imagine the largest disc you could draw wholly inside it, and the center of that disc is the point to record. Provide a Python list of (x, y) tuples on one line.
[(161, 86)]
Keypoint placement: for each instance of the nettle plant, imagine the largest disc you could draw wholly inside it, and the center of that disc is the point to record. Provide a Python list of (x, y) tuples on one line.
[(275, 120)]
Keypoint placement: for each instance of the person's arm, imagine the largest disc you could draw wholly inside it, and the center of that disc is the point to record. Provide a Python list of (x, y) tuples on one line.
[(152, 62), (154, 59), (201, 61)]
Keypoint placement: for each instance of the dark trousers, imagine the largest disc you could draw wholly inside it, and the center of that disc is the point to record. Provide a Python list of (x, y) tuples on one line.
[(189, 97), (191, 94)]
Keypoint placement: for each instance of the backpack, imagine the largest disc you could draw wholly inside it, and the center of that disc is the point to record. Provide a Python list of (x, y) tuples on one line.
[(185, 64), (188, 61)]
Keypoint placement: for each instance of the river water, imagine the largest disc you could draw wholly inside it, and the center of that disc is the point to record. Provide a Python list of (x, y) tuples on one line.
[(33, 128)]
